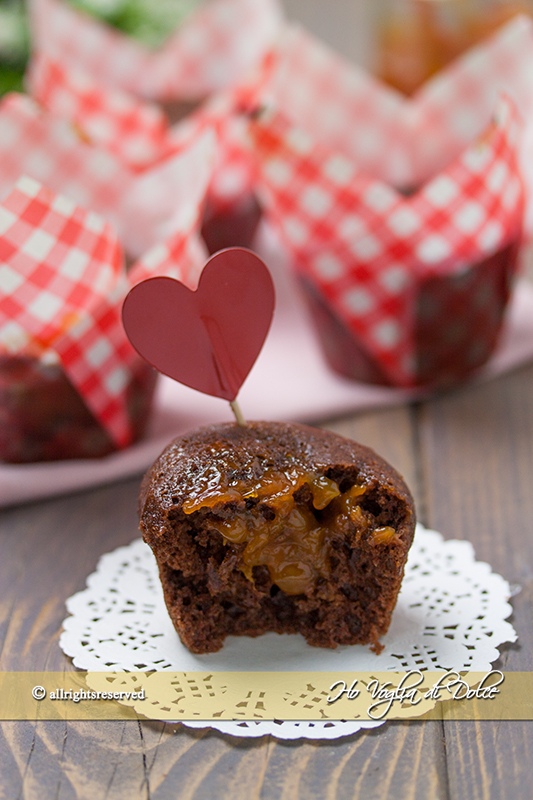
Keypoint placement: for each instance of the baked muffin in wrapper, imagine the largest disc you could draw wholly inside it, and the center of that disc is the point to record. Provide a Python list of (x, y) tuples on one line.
[(71, 385), (130, 110), (404, 291), (407, 275)]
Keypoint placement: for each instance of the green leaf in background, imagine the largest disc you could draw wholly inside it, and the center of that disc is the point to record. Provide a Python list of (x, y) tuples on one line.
[(148, 21), (14, 45), (11, 80)]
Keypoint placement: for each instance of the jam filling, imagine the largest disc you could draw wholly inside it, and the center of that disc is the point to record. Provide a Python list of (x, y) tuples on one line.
[(292, 539)]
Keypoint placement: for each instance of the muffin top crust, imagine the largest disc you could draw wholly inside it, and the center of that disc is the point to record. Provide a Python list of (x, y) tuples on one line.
[(219, 456)]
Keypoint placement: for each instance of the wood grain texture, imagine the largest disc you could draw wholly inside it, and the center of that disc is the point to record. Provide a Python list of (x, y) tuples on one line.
[(119, 760), (46, 552), (477, 465)]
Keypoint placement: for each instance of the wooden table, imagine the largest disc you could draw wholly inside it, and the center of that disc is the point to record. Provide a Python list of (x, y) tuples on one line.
[(468, 457)]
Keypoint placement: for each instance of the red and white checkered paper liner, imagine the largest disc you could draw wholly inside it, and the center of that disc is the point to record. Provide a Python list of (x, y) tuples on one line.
[(402, 141), (181, 257), (138, 133), (62, 284), (61, 280), (135, 131), (366, 247), (211, 50), (144, 207)]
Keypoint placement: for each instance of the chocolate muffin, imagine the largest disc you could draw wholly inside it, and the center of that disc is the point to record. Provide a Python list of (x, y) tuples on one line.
[(276, 527)]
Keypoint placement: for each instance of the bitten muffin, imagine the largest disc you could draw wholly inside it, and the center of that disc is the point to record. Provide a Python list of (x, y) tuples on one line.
[(276, 527)]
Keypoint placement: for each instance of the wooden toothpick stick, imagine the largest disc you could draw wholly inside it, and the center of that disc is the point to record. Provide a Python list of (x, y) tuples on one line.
[(238, 413)]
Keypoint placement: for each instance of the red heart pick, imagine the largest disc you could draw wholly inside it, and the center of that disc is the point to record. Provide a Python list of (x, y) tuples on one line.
[(208, 339)]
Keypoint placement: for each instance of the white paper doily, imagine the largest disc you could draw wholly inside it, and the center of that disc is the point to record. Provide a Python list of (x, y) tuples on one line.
[(451, 613)]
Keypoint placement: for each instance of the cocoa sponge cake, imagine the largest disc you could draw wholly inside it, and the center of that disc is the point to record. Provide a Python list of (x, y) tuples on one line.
[(276, 527)]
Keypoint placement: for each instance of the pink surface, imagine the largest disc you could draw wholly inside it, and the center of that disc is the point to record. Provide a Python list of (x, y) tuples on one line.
[(289, 381)]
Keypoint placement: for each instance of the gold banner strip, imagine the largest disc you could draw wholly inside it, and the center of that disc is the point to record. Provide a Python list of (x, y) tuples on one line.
[(246, 696)]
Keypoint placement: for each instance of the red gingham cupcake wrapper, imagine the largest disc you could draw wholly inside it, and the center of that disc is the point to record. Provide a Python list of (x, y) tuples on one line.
[(62, 283), (141, 207), (180, 257), (399, 140), (138, 134), (61, 277), (212, 49), (366, 248), (233, 174)]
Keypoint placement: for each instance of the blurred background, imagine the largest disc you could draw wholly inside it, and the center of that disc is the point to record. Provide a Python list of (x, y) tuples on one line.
[(404, 41)]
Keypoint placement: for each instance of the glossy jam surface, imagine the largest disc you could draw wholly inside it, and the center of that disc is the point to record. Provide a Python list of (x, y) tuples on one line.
[(291, 538)]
